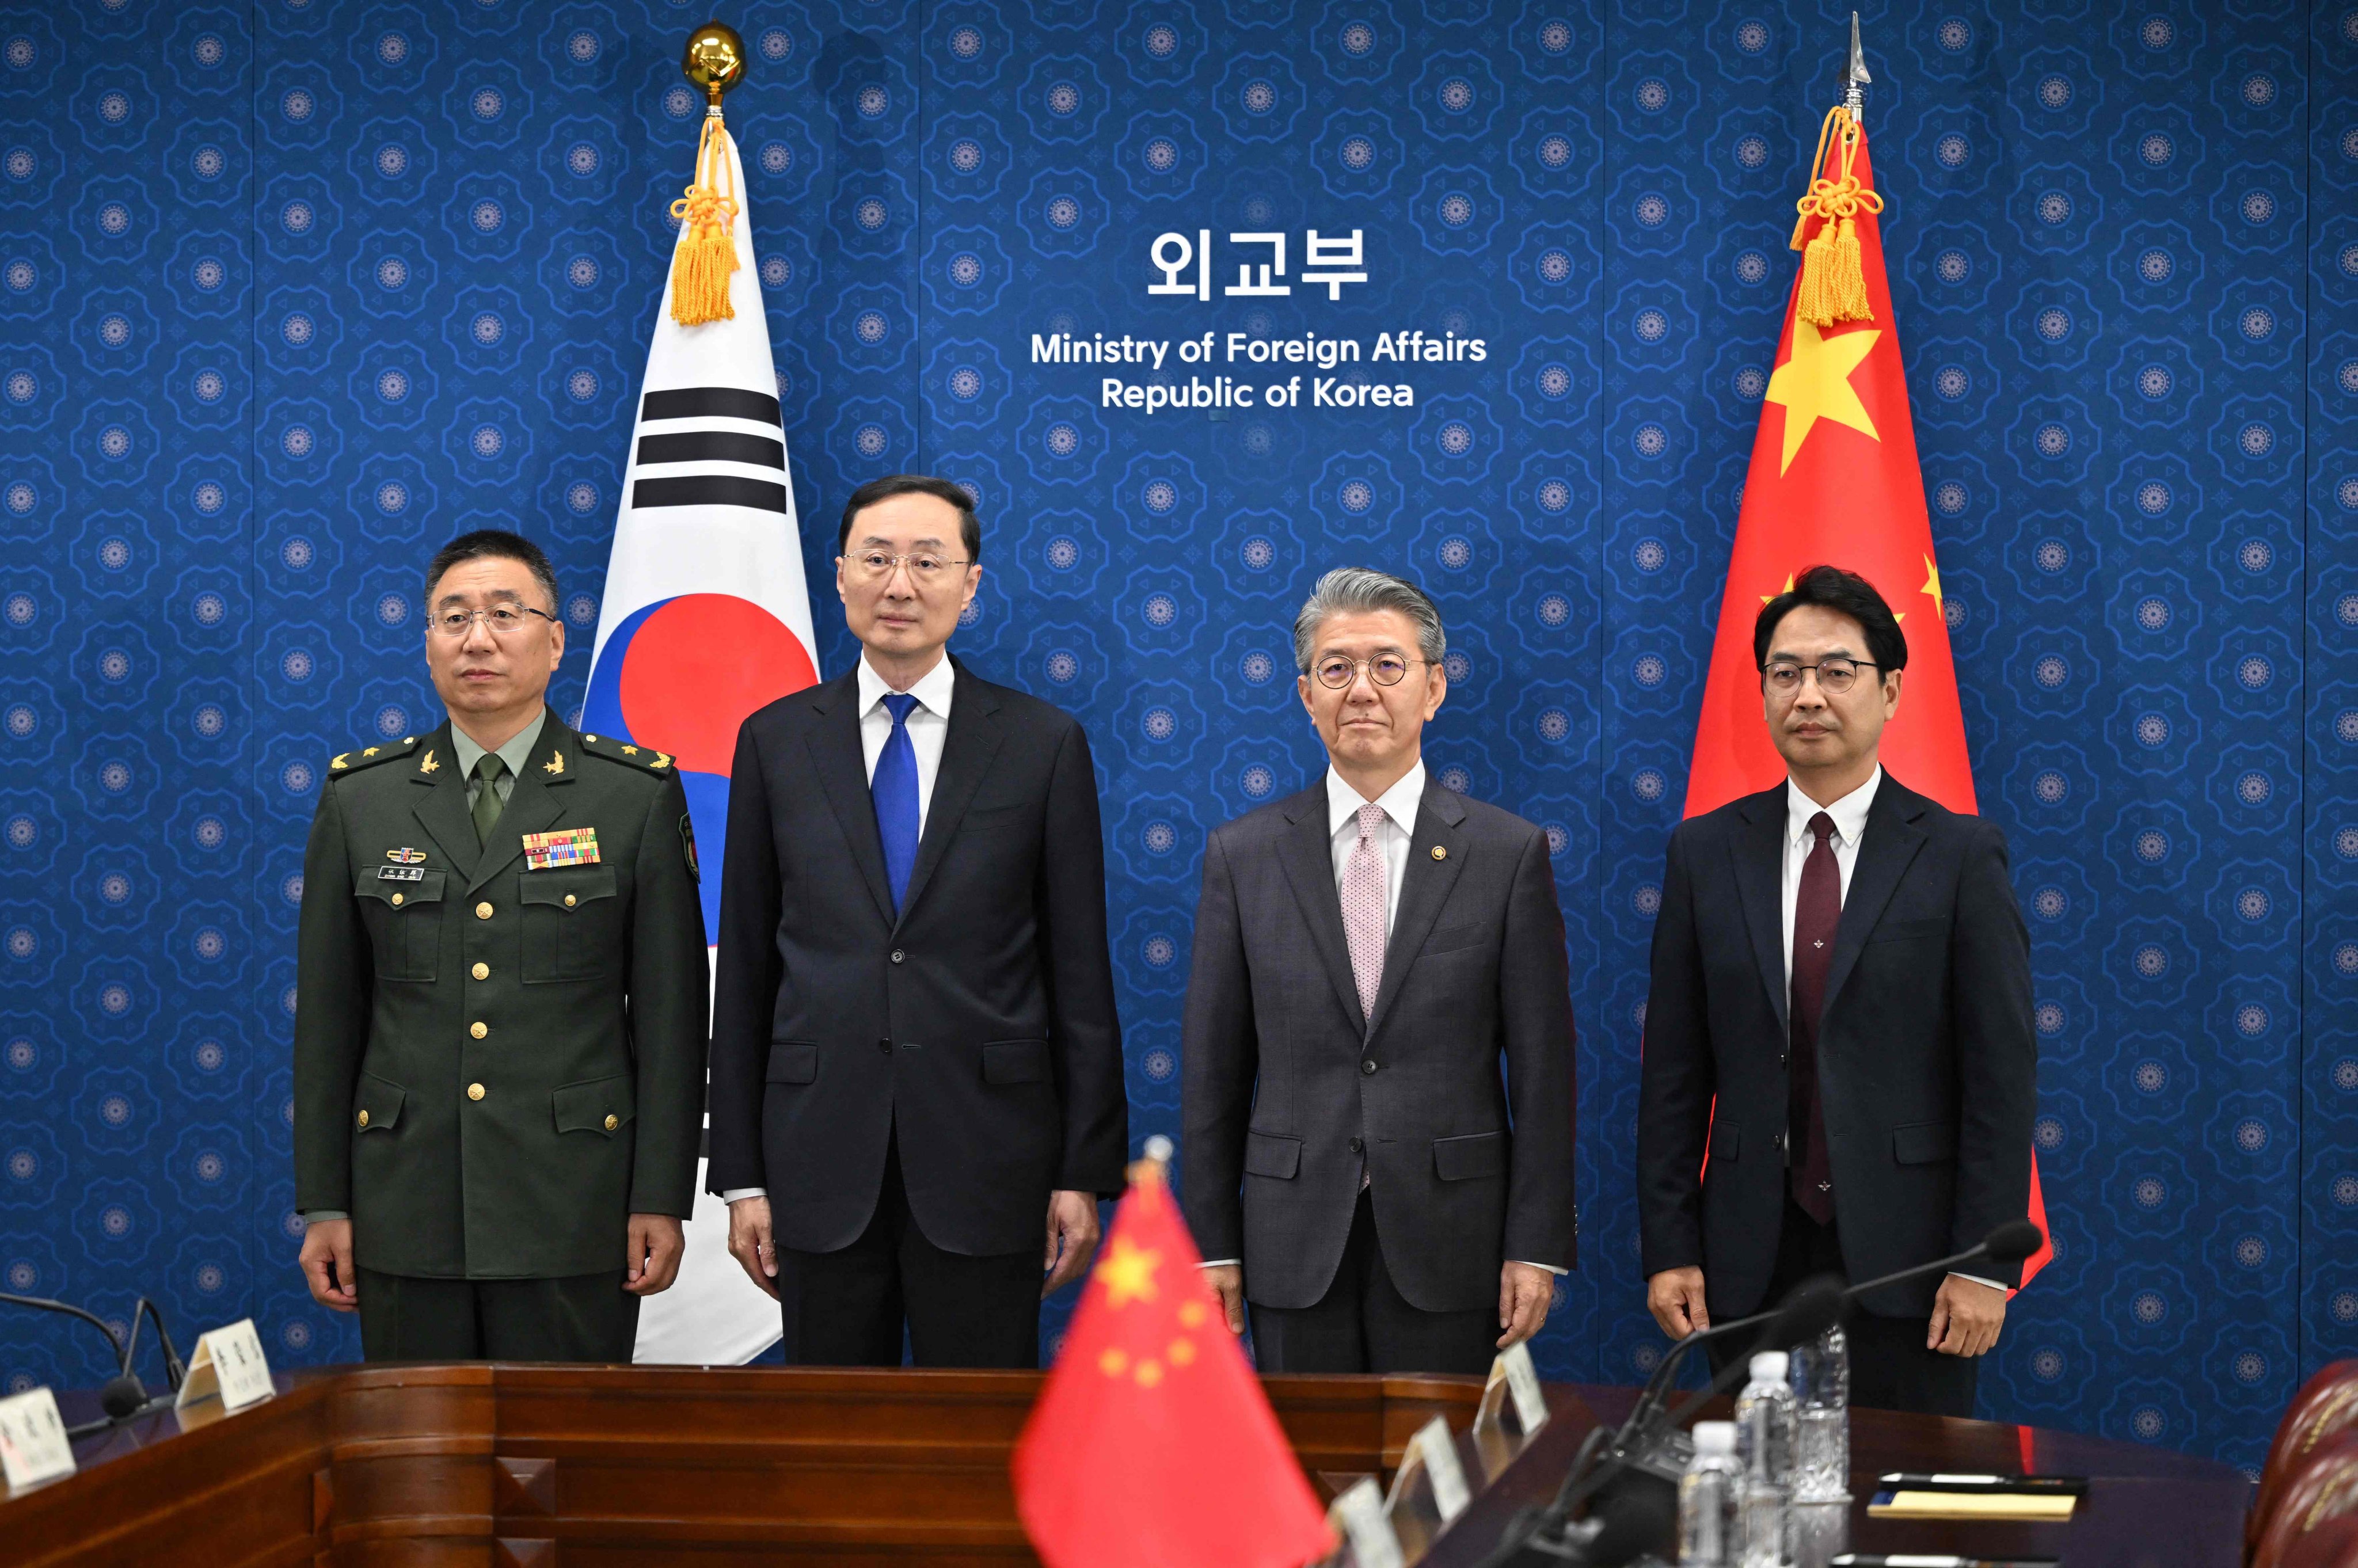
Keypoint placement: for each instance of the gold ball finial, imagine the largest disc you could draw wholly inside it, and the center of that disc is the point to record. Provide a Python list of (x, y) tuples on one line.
[(715, 59)]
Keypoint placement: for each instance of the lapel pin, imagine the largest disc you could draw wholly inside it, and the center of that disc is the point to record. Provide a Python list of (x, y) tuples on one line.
[(1439, 853), (556, 764), (429, 765)]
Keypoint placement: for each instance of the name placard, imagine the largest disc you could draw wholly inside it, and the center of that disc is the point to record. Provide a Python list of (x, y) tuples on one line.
[(1442, 1468), (1356, 1515), (229, 1363), (1514, 1363), (33, 1445)]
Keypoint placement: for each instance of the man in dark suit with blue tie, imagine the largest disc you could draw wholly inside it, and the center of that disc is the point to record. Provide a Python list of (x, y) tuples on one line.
[(916, 1064)]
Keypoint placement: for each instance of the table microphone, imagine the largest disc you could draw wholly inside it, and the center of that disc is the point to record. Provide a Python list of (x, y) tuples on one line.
[(121, 1395), (2009, 1243)]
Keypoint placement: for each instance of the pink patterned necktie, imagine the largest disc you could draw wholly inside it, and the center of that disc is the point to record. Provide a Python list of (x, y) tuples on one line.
[(1363, 908)]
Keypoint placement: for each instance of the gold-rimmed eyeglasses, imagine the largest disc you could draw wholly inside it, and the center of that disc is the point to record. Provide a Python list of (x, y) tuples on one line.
[(926, 567)]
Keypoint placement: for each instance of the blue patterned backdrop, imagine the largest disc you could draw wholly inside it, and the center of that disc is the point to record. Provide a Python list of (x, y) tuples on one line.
[(295, 289)]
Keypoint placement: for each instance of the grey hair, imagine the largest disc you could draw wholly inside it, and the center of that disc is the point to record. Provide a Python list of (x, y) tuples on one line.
[(1356, 590)]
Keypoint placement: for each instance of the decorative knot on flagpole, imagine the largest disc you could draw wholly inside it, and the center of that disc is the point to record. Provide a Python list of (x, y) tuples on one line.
[(707, 253), (1834, 280)]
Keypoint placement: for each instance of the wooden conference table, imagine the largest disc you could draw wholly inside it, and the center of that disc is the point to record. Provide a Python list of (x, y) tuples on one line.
[(484, 1464)]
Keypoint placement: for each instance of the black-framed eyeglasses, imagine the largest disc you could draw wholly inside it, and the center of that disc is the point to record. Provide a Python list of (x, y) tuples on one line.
[(1835, 676), (504, 619), (1335, 671)]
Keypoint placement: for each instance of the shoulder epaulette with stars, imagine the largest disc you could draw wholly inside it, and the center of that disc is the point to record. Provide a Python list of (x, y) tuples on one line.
[(370, 756), (616, 751)]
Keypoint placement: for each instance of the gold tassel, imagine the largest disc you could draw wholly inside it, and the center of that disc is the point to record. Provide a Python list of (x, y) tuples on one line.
[(708, 255), (1833, 285), (1847, 281)]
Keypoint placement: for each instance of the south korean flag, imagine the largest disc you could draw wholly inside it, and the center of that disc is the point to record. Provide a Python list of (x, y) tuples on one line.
[(706, 618)]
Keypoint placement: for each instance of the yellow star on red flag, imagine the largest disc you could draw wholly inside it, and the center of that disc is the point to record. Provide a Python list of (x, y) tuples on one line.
[(1814, 384)]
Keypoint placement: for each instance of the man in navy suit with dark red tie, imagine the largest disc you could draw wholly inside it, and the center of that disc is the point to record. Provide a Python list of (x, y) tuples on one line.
[(1841, 1000), (917, 1065)]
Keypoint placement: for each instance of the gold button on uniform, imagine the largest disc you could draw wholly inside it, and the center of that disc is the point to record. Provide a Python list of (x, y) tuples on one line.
[(482, 912), (479, 1028), (569, 901), (363, 1119), (474, 1091), (612, 1122), (483, 971), (396, 901)]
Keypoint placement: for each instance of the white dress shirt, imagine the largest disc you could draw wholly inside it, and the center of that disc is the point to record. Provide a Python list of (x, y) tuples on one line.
[(1850, 826), (1393, 835), (928, 725)]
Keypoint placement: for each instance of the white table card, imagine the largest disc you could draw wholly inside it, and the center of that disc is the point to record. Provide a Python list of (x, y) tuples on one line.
[(33, 1445), (1441, 1465), (1357, 1515), (229, 1362), (1522, 1386)]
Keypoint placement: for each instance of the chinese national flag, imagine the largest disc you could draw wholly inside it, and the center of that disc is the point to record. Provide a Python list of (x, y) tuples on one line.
[(1834, 478), (1152, 1444)]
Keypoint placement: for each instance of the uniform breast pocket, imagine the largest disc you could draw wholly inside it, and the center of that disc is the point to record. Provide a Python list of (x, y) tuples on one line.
[(405, 923), (571, 919)]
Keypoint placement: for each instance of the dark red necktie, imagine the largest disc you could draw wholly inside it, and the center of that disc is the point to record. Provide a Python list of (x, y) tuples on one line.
[(1817, 912)]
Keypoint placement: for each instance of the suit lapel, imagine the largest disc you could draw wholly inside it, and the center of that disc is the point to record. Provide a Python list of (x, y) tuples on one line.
[(967, 752), (842, 769), (1425, 888), (441, 807), (535, 806), (1758, 852), (1307, 855), (1885, 850)]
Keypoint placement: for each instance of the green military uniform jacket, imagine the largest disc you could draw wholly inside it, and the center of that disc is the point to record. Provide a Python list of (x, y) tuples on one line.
[(497, 1062)]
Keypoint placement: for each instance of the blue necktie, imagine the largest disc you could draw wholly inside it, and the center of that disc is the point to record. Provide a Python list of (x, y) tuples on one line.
[(893, 789)]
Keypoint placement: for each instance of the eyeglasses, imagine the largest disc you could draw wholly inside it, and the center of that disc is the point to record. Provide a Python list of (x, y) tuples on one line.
[(504, 619), (1384, 669), (926, 567), (1835, 676)]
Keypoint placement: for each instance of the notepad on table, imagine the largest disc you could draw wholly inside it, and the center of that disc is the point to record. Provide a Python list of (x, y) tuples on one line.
[(2031, 1508)]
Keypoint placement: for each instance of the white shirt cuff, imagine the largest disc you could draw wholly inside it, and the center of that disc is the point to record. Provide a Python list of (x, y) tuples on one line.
[(1549, 1267), (1976, 1278), (313, 1216), (1220, 1263), (732, 1194)]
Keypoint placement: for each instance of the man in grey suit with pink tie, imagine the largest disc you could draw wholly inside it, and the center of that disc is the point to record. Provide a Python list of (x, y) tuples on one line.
[(1377, 1092)]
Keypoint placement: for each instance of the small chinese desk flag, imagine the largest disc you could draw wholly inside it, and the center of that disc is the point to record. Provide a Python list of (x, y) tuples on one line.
[(1152, 1444)]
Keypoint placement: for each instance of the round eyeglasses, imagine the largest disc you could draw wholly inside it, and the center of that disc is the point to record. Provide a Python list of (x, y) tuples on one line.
[(1384, 669)]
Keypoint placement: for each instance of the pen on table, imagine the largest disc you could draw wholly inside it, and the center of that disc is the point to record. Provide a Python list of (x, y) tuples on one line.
[(1950, 1481), (1920, 1559)]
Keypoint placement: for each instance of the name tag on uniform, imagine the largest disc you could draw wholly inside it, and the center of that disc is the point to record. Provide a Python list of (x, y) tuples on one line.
[(566, 846), (401, 873)]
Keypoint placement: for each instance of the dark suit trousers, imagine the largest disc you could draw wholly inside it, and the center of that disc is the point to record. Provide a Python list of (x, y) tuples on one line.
[(1889, 1368), (846, 1308), (1364, 1324), (583, 1317)]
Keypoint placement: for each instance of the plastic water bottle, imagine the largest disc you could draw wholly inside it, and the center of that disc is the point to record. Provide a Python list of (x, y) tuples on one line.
[(1766, 1416), (1821, 1454), (1709, 1496)]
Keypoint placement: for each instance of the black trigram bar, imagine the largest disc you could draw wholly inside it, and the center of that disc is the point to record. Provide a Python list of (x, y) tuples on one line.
[(714, 446), (710, 490), (721, 402)]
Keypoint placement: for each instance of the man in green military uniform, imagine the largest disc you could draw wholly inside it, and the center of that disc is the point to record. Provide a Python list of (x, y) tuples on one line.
[(500, 1039)]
